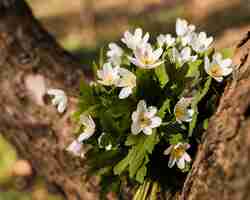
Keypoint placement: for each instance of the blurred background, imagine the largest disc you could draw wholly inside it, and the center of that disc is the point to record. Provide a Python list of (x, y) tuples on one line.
[(84, 26)]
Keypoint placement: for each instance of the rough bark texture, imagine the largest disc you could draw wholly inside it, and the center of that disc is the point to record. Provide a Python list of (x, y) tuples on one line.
[(32, 61), (221, 168)]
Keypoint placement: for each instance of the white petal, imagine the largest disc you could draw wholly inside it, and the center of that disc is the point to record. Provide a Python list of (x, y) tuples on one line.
[(124, 72), (186, 157), (84, 136), (227, 71), (135, 128), (155, 122), (108, 147), (191, 28), (147, 131), (141, 106), (190, 112), (226, 63), (168, 150), (206, 64), (157, 53), (171, 162), (145, 38), (56, 100), (219, 79), (151, 111), (186, 53), (209, 41), (155, 65), (181, 27), (217, 57), (55, 92), (161, 40), (74, 147), (62, 106), (175, 54), (138, 33), (187, 146), (181, 163), (135, 116), (136, 62), (125, 92)]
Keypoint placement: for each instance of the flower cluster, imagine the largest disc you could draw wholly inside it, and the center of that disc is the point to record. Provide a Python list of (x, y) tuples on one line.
[(146, 96)]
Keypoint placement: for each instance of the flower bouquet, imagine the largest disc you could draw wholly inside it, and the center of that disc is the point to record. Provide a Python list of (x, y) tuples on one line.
[(144, 114)]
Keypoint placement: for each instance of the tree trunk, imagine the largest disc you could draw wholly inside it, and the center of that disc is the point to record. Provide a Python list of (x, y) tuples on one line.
[(32, 61), (222, 165)]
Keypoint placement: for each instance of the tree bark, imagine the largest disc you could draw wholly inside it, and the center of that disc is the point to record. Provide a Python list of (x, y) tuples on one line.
[(221, 168), (32, 61)]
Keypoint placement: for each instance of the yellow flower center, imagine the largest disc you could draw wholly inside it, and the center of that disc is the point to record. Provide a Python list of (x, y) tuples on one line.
[(147, 61), (109, 79), (179, 112), (178, 152), (144, 121), (216, 70)]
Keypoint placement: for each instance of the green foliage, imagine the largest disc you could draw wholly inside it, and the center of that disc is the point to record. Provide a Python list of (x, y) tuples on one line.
[(193, 69), (176, 138), (137, 158), (162, 75)]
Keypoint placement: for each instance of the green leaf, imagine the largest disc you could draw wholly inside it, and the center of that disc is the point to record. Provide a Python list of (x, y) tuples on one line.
[(193, 69), (200, 94), (86, 98), (205, 124), (165, 107), (94, 69), (131, 140), (162, 75), (193, 122), (138, 155), (101, 58), (175, 139), (123, 164), (141, 173), (197, 98)]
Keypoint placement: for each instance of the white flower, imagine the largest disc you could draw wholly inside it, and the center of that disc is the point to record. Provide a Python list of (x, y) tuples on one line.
[(165, 39), (127, 81), (182, 112), (108, 75), (219, 67), (200, 42), (184, 31), (88, 127), (178, 155), (107, 147), (134, 40), (144, 119), (75, 148), (146, 57), (114, 54), (60, 99), (183, 56)]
